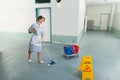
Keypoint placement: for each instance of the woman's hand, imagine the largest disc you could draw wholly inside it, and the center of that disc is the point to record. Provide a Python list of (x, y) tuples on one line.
[(42, 42), (33, 30)]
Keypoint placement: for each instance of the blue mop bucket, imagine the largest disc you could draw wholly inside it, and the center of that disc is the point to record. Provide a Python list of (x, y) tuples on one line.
[(68, 49)]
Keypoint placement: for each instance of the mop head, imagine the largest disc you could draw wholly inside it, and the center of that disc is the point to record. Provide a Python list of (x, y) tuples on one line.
[(51, 63)]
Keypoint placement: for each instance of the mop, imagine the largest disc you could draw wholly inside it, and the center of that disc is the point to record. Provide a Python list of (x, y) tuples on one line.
[(51, 60)]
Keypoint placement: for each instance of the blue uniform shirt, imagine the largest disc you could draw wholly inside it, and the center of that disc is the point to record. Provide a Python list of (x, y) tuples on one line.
[(36, 37)]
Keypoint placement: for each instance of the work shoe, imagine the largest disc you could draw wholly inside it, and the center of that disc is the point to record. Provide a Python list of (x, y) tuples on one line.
[(41, 61), (30, 60)]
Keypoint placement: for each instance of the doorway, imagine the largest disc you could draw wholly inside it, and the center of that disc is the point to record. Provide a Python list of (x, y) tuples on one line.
[(46, 12), (104, 21)]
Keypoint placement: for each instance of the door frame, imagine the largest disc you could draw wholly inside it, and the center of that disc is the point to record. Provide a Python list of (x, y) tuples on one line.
[(50, 20)]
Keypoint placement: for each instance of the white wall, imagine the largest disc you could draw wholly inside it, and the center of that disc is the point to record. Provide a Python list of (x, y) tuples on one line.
[(81, 17), (82, 14), (116, 21), (65, 18), (111, 16), (94, 13), (16, 15)]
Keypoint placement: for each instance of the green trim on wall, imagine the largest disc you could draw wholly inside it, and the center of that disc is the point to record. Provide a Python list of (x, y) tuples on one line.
[(109, 28), (18, 35), (66, 39), (96, 28), (116, 31)]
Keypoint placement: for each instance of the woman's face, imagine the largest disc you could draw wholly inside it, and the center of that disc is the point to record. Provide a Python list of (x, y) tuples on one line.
[(41, 20)]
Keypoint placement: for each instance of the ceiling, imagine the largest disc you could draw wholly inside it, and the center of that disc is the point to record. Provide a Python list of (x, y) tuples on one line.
[(101, 2)]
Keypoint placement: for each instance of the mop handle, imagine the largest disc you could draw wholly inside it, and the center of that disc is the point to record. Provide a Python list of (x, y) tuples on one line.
[(47, 52)]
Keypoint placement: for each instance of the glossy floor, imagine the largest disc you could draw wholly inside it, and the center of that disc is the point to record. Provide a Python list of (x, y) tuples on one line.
[(103, 46)]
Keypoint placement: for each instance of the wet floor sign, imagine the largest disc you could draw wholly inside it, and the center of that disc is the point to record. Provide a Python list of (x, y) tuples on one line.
[(86, 68)]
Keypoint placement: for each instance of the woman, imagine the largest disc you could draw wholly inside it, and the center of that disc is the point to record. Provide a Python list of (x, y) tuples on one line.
[(35, 45)]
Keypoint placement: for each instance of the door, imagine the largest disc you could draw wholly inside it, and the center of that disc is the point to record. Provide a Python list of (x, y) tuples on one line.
[(46, 12), (104, 22)]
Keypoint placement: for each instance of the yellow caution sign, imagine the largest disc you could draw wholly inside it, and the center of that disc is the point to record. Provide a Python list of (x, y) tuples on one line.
[(86, 68)]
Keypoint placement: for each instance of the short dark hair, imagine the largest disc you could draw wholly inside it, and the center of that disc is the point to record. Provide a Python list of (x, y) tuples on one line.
[(41, 17)]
